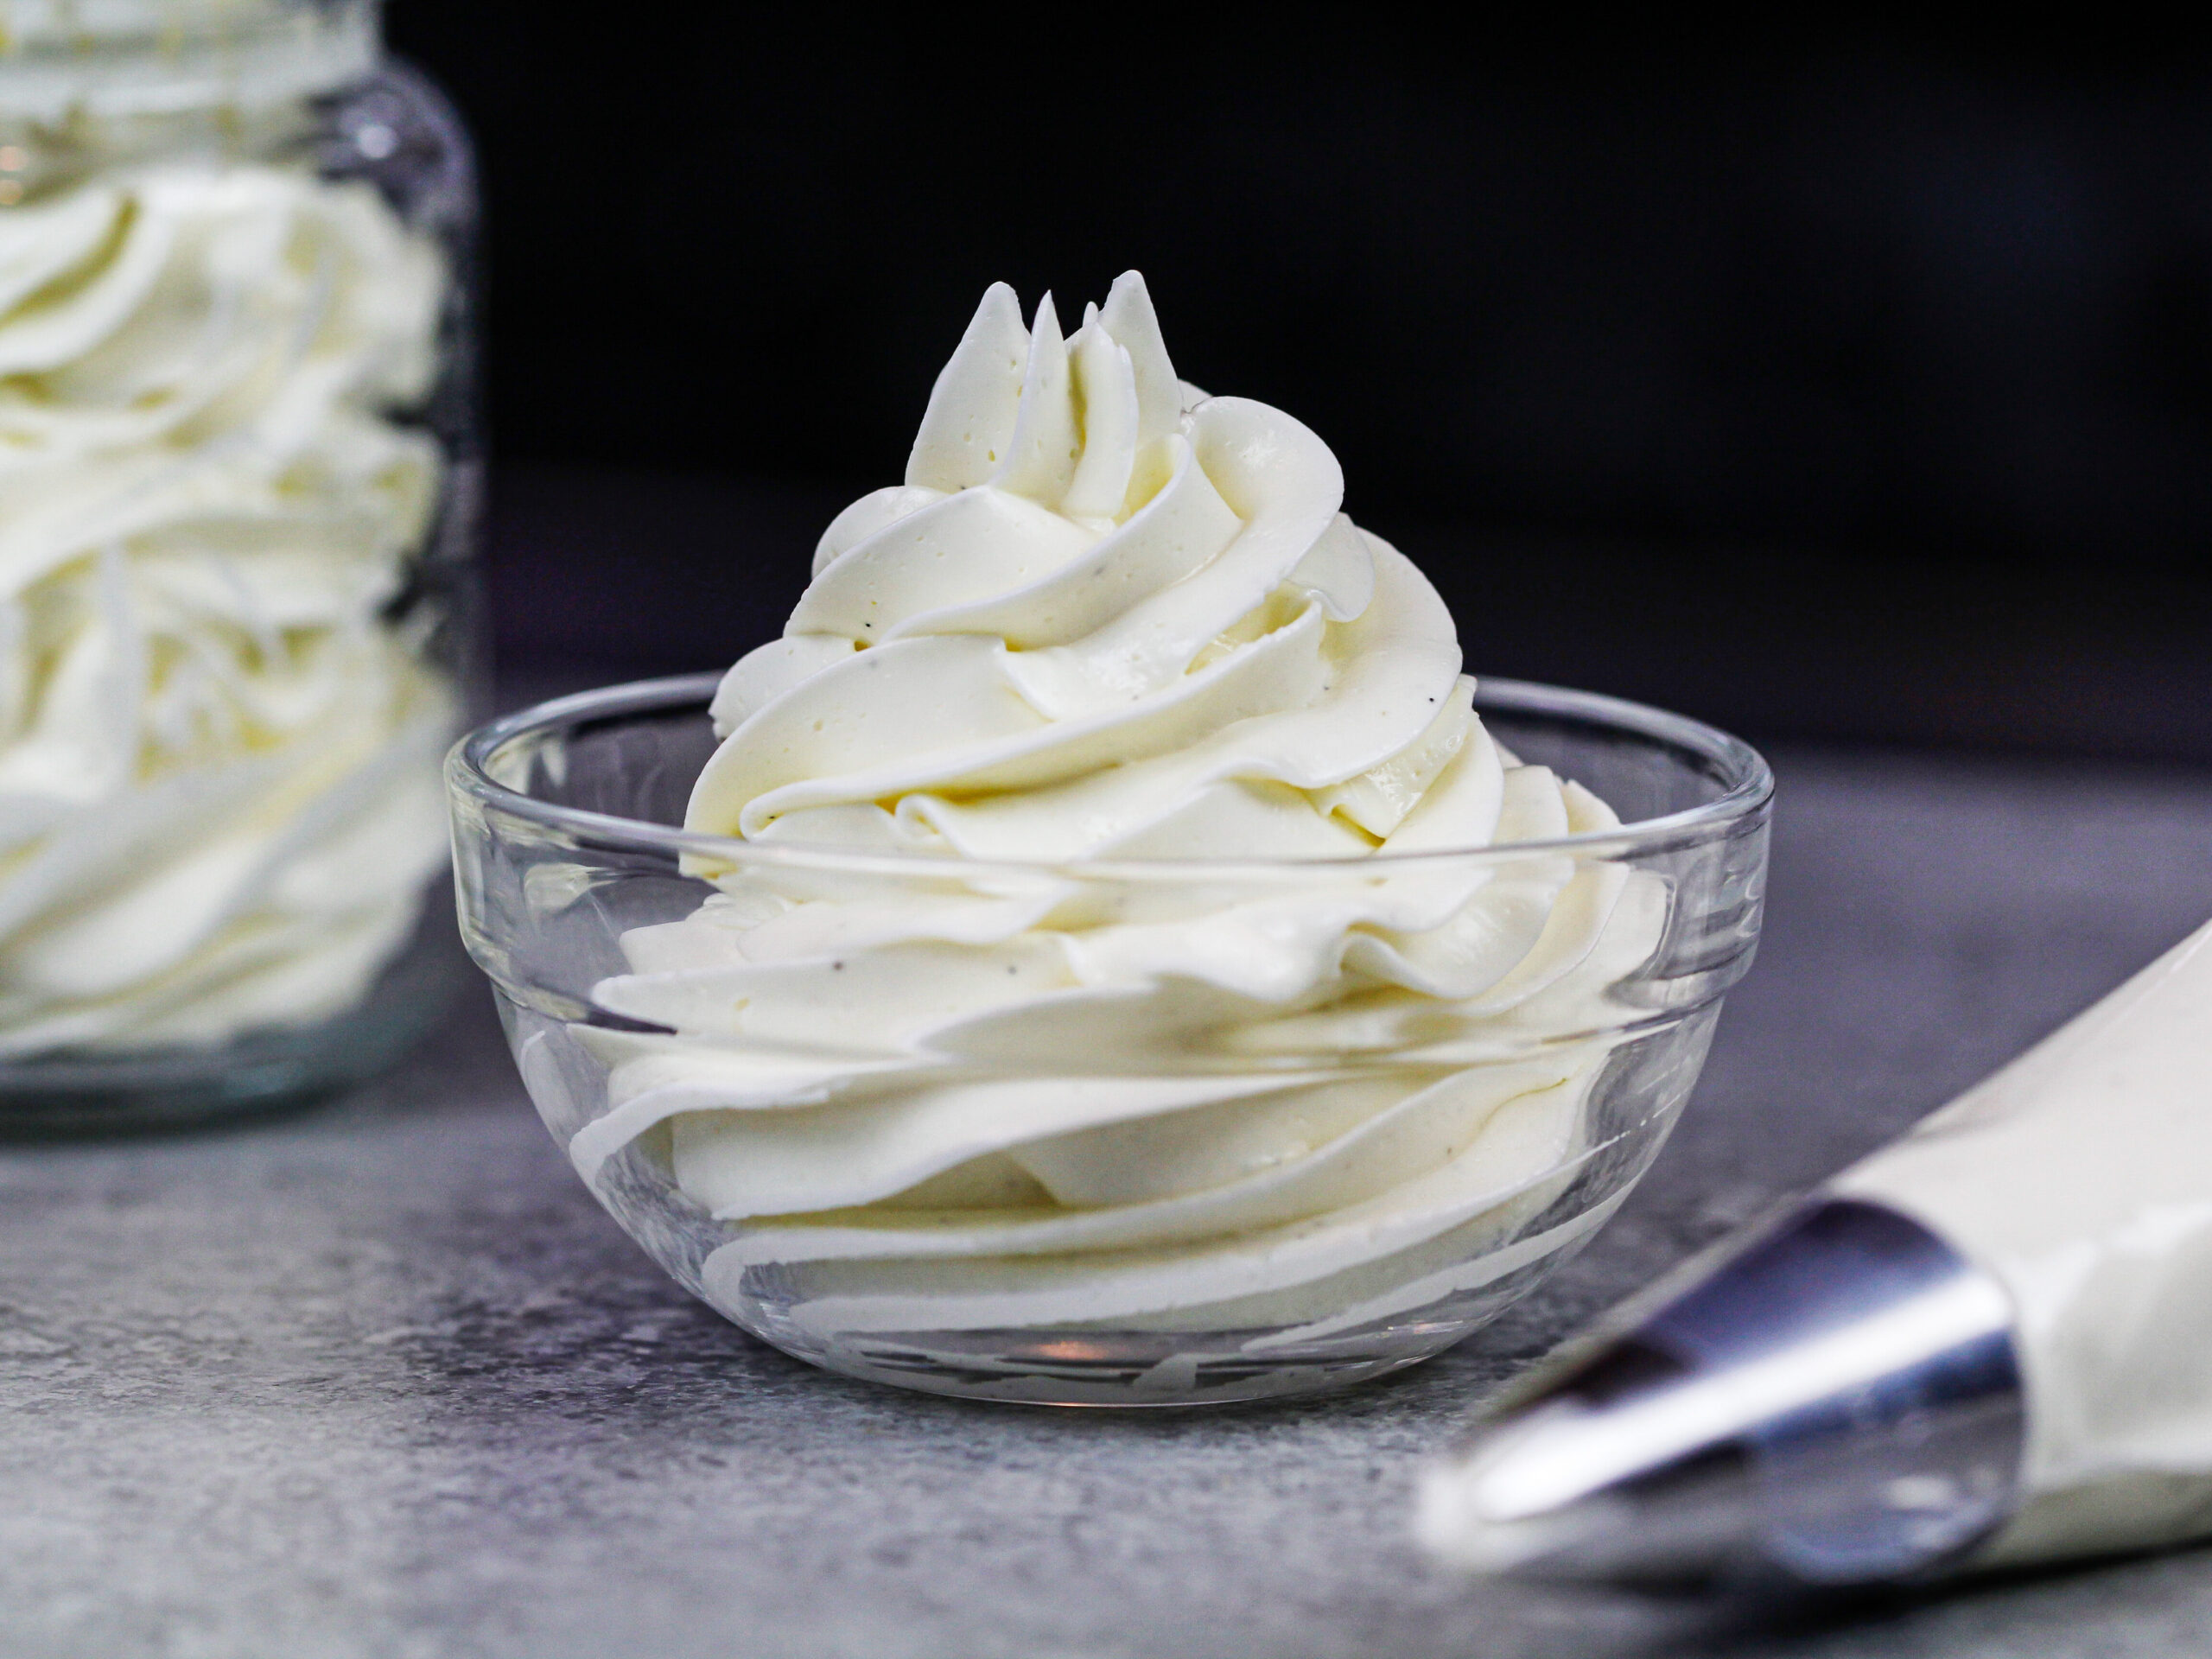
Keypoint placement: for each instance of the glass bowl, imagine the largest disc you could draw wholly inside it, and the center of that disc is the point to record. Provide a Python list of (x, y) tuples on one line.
[(1105, 1132)]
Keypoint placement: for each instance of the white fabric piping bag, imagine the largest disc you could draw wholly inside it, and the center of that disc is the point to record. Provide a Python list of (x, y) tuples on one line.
[(1986, 1345)]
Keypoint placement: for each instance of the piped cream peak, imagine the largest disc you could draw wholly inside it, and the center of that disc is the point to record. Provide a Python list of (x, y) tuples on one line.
[(1065, 423), (1101, 603)]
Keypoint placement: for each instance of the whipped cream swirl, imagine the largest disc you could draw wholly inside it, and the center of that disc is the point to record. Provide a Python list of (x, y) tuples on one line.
[(1108, 618), (218, 794)]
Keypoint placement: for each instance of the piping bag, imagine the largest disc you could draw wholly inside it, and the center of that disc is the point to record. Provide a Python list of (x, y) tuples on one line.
[(1987, 1344)]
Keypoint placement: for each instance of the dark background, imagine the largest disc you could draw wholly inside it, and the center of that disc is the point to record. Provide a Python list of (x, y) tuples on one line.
[(1850, 380)]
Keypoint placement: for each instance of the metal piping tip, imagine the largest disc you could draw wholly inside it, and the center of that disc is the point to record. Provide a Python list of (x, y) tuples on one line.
[(1838, 1402)]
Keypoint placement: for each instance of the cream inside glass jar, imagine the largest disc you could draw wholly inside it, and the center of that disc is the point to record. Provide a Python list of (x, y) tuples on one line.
[(237, 472)]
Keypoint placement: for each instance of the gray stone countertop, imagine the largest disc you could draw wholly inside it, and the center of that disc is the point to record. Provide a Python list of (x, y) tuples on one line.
[(380, 1380)]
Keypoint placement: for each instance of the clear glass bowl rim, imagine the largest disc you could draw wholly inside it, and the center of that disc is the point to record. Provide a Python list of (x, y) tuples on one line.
[(1749, 779)]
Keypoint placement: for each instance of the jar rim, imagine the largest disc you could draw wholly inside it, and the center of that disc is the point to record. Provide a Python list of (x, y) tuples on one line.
[(129, 59), (1748, 781)]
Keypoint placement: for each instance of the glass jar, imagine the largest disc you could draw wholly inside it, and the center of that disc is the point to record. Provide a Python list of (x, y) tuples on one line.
[(239, 482), (1105, 1132)]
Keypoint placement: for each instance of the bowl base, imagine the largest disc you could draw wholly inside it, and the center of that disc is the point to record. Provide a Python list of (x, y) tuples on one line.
[(1101, 1372), (1142, 1369)]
